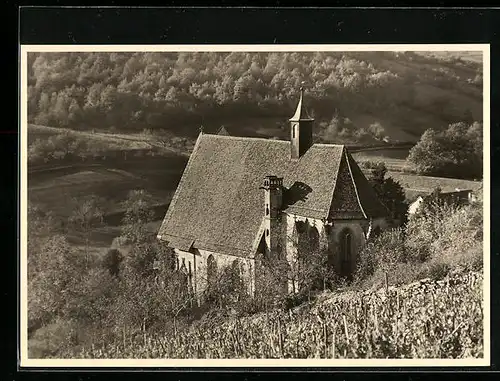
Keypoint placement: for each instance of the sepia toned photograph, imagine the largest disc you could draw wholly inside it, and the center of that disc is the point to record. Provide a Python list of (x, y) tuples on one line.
[(256, 204)]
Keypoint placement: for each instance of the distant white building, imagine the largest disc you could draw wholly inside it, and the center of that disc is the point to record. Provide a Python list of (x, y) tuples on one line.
[(457, 197)]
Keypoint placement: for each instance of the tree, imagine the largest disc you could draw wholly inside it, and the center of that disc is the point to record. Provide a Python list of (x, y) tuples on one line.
[(138, 213), (390, 193), (112, 262), (93, 97), (454, 152), (228, 288), (153, 292), (74, 112), (381, 253), (108, 98), (87, 214), (377, 131), (42, 224), (310, 266), (51, 289), (44, 103), (61, 107)]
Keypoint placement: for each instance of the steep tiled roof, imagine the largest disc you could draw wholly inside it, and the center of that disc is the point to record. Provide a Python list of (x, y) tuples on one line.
[(218, 205)]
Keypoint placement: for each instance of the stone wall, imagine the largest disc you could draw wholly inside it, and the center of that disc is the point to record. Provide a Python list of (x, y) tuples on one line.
[(329, 235), (197, 262)]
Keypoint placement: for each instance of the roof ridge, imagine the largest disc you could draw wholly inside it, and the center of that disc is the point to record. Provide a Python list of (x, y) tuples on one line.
[(230, 137), (335, 184), (354, 183), (328, 145), (244, 138)]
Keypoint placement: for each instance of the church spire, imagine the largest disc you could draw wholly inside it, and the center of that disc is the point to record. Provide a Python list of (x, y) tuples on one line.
[(301, 111), (301, 129)]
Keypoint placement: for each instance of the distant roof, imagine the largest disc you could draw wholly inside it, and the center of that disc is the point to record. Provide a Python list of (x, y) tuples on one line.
[(218, 205), (222, 131)]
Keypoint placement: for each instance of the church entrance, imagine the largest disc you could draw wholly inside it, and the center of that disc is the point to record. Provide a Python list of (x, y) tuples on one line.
[(346, 254)]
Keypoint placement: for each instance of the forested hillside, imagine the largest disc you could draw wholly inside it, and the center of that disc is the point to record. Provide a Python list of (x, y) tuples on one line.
[(355, 97)]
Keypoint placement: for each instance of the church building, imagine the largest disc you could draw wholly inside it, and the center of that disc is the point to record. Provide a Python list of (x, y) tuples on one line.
[(242, 199)]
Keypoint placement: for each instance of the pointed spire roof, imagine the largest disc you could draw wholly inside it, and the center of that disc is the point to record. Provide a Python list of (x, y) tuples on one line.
[(223, 131), (301, 112)]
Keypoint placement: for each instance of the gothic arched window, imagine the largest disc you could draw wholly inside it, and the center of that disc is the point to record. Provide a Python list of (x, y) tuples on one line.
[(345, 253), (375, 232), (211, 271), (301, 229), (313, 238)]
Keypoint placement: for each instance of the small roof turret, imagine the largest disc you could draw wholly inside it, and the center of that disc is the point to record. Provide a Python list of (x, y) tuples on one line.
[(301, 112)]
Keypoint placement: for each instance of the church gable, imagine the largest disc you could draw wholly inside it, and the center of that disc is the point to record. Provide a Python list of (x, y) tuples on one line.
[(345, 202)]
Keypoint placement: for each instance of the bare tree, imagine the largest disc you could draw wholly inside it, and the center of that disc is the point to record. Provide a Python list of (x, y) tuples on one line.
[(86, 215)]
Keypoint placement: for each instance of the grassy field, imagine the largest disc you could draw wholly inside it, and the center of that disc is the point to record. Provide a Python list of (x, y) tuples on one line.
[(114, 141), (394, 160), (60, 187)]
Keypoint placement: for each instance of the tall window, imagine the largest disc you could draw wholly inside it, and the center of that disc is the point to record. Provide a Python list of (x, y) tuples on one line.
[(313, 238), (375, 232), (346, 253), (302, 243), (211, 271)]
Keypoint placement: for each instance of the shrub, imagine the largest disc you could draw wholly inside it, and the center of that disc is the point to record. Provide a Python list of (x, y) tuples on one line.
[(53, 339), (112, 261), (291, 301), (385, 250), (437, 270), (441, 239), (446, 233)]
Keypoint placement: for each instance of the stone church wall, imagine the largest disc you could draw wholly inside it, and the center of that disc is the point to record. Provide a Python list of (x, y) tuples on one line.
[(329, 236), (197, 262)]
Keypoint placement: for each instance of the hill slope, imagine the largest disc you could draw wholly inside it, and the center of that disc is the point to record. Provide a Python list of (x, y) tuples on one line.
[(426, 319), (405, 93)]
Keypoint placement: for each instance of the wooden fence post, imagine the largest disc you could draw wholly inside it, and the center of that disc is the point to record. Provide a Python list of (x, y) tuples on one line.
[(333, 342), (325, 337), (280, 338)]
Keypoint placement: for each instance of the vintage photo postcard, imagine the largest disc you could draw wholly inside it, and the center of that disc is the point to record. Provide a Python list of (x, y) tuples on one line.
[(255, 206)]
